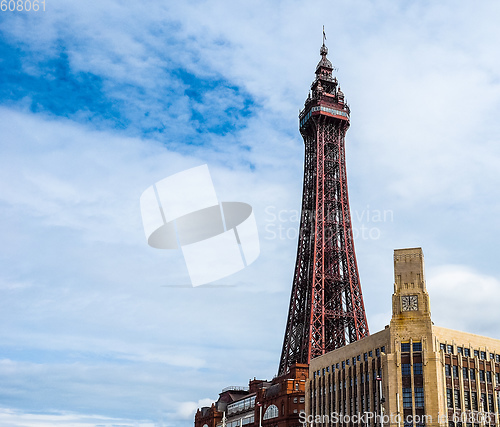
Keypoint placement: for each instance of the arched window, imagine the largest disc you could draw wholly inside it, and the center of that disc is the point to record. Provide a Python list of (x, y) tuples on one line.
[(205, 425), (271, 412)]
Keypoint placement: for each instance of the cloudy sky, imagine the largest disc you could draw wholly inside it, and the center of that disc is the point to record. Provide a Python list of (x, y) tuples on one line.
[(101, 99)]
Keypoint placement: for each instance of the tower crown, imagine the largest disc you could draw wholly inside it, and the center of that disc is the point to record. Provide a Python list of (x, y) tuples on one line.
[(325, 98), (324, 62)]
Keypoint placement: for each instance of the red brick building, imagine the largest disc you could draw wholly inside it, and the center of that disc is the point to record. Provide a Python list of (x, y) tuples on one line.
[(275, 403)]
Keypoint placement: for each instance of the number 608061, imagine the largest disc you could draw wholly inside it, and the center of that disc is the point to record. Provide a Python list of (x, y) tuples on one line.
[(22, 5)]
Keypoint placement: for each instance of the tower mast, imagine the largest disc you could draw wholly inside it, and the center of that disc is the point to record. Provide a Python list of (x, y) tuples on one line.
[(326, 304)]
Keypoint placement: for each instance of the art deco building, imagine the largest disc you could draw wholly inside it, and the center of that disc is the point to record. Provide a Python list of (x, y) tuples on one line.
[(412, 373)]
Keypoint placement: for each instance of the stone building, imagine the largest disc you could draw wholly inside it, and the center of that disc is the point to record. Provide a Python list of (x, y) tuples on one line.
[(412, 373)]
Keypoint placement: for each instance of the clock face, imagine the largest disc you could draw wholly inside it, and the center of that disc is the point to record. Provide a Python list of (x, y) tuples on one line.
[(409, 303)]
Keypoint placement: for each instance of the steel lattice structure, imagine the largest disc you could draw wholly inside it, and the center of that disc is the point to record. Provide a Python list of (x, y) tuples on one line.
[(326, 305)]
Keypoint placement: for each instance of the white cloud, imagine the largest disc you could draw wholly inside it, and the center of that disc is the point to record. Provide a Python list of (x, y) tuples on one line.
[(188, 409), (464, 299), (11, 418)]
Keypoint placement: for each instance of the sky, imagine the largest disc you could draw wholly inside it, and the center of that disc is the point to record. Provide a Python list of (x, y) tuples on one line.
[(101, 99)]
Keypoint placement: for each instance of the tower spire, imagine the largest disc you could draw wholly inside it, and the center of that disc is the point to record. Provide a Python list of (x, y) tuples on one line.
[(326, 304)]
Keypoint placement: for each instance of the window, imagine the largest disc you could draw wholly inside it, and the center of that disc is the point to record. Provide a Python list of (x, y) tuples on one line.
[(497, 380), (302, 399), (447, 370), (497, 358), (353, 361), (271, 412), (488, 376), (417, 369), (466, 352), (449, 349), (465, 373), (456, 394), (295, 399), (481, 375), (442, 347), (467, 399), (405, 369), (347, 362), (492, 356), (419, 397), (247, 420), (417, 346), (449, 398), (370, 354), (365, 356), (382, 349), (405, 347), (474, 400), (490, 403), (472, 373), (333, 369), (359, 357), (377, 352), (483, 355), (460, 350), (407, 398), (484, 402), (455, 371), (343, 364), (476, 353)]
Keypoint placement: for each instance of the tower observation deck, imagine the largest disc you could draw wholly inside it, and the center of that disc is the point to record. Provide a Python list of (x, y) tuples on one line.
[(326, 304)]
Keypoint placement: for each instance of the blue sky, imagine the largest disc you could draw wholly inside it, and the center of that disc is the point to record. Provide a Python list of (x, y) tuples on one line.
[(99, 100)]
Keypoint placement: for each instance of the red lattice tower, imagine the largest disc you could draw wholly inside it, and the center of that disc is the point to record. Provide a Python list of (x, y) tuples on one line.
[(326, 306)]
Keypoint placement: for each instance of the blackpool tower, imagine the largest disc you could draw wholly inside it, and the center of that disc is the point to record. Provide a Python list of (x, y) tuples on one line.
[(326, 305)]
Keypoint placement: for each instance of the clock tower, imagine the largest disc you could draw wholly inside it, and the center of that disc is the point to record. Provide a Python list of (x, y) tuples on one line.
[(410, 298)]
